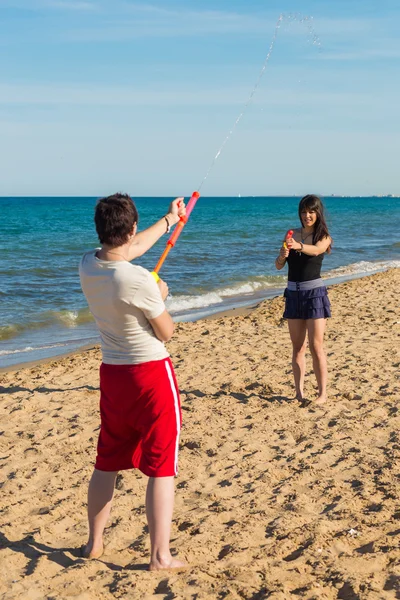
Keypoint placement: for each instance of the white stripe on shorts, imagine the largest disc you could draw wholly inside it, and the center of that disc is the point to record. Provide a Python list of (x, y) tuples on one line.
[(177, 414)]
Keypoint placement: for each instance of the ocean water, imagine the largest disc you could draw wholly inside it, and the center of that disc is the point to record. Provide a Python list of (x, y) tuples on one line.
[(224, 257)]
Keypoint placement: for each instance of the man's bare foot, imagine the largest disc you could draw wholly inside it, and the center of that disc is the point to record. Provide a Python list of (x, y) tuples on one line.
[(299, 397), (159, 564), (320, 400), (91, 552), (305, 403)]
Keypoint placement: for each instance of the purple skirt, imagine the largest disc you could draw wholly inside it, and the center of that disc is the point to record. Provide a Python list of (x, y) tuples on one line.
[(307, 304)]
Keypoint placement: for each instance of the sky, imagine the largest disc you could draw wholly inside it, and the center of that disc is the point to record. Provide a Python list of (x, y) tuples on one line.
[(99, 96)]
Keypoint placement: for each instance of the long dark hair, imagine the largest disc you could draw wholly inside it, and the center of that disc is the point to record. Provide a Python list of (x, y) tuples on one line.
[(312, 202)]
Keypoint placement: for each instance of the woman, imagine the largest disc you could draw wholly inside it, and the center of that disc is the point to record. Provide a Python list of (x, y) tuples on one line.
[(139, 397), (307, 304)]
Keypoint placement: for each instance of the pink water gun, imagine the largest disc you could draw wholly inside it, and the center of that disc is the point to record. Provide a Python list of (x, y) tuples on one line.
[(288, 236), (176, 233)]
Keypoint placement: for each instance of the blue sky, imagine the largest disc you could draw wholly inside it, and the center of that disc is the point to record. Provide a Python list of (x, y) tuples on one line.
[(104, 95)]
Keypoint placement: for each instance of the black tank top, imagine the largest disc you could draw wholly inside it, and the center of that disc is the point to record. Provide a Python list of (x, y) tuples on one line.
[(303, 267)]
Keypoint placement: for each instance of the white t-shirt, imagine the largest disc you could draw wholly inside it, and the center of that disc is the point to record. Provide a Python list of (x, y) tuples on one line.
[(122, 297)]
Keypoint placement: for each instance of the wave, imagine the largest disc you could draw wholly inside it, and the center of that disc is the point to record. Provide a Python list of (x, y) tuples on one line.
[(30, 349), (66, 318), (361, 268), (256, 288), (260, 286), (183, 303)]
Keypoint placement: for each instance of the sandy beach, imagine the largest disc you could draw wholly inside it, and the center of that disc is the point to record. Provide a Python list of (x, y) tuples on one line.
[(273, 500)]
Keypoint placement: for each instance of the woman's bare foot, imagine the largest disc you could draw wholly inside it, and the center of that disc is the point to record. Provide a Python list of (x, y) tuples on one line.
[(89, 551), (321, 400), (158, 564), (299, 397)]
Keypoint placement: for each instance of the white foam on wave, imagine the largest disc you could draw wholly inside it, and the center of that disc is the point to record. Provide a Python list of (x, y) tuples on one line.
[(184, 303), (29, 349), (178, 303), (362, 267), (245, 288), (68, 317)]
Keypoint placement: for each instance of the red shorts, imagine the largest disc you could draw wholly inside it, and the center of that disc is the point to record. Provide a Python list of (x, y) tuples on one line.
[(140, 418)]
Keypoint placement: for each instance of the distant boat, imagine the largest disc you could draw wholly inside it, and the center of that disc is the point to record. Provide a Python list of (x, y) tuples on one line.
[(239, 195)]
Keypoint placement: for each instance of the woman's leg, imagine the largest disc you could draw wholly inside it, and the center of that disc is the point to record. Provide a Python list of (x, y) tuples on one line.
[(100, 495), (316, 330), (159, 508), (298, 330)]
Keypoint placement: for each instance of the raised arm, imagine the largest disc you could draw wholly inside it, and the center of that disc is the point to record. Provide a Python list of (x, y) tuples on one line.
[(148, 237)]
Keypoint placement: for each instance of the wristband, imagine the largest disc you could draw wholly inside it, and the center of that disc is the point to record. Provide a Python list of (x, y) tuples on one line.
[(168, 225)]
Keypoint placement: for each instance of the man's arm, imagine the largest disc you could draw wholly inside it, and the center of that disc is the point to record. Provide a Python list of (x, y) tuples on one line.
[(163, 326), (147, 238)]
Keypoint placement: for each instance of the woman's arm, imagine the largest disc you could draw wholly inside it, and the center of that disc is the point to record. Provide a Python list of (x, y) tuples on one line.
[(311, 249), (148, 237), (280, 260)]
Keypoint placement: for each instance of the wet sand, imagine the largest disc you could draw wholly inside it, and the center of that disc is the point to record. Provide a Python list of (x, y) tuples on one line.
[(273, 500)]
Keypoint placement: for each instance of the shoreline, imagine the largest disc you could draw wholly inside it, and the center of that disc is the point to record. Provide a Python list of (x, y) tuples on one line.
[(241, 310), (31, 364), (231, 312)]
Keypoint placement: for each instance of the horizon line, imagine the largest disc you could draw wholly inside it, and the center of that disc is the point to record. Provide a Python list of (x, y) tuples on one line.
[(239, 196)]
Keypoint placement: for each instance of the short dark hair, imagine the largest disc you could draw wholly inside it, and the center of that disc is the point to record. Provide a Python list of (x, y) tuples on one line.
[(115, 217)]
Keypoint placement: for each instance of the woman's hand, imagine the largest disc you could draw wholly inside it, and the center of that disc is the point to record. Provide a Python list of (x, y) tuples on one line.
[(293, 245), (177, 209), (163, 288), (281, 258), (283, 253)]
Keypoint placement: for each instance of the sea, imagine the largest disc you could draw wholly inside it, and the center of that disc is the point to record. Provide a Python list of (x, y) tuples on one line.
[(224, 258)]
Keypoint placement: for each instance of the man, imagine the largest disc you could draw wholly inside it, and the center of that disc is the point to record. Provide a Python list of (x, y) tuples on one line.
[(139, 397)]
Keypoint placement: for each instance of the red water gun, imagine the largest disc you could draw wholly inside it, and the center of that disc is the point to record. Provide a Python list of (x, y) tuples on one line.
[(176, 233)]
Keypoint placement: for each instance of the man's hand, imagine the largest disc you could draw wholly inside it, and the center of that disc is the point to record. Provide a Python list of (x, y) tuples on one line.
[(177, 209), (163, 288)]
